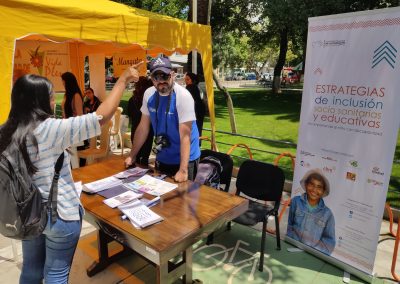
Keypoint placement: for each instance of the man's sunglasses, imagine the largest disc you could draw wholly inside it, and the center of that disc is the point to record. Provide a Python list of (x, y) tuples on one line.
[(161, 77)]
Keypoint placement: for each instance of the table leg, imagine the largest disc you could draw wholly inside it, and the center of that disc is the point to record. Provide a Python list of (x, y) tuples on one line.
[(188, 259), (104, 259), (162, 273), (170, 271)]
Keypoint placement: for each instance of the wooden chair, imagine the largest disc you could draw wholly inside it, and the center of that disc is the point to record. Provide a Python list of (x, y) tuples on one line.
[(94, 153), (116, 129)]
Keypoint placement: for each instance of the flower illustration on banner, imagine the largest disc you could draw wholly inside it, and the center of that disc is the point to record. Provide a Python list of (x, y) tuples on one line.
[(37, 59)]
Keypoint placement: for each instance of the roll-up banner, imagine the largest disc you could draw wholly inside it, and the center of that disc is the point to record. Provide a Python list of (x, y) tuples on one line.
[(348, 129)]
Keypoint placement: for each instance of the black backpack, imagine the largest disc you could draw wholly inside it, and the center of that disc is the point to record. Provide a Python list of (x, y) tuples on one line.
[(23, 215), (209, 171)]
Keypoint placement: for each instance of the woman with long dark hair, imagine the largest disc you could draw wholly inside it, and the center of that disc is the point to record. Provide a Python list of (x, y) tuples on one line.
[(192, 82), (72, 104), (32, 130), (134, 113)]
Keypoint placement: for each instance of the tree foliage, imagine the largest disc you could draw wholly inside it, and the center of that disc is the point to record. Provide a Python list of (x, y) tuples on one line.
[(247, 32), (287, 21), (174, 8)]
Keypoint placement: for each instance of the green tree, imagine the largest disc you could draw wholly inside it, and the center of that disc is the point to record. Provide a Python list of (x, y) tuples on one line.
[(174, 8), (287, 21)]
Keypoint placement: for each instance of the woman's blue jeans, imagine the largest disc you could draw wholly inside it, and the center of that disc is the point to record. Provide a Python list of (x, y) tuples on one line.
[(50, 255)]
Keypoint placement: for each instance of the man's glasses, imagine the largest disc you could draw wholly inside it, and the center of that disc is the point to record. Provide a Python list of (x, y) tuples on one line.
[(161, 77)]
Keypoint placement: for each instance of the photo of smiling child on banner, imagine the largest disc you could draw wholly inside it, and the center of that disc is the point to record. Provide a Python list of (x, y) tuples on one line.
[(310, 220)]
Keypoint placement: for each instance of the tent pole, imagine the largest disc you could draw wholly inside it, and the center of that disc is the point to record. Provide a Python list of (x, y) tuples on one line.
[(194, 52)]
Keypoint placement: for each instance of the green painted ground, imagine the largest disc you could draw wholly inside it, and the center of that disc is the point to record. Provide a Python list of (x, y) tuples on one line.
[(280, 266), (226, 265)]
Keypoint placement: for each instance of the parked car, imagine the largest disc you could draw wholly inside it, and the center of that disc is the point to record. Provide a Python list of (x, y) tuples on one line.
[(267, 76), (292, 77), (228, 78), (264, 82), (110, 79), (179, 76), (238, 75), (180, 79), (250, 76)]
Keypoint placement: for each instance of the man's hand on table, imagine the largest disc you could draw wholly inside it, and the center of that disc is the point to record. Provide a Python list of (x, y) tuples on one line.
[(129, 161), (181, 176)]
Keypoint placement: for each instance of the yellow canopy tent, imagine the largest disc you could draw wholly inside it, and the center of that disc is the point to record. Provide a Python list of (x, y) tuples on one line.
[(96, 27)]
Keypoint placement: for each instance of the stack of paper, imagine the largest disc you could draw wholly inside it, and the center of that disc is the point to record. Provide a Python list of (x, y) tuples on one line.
[(122, 198), (151, 185), (101, 184), (136, 171), (140, 215)]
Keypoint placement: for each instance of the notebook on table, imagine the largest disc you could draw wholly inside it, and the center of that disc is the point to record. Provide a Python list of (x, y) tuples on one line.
[(140, 215)]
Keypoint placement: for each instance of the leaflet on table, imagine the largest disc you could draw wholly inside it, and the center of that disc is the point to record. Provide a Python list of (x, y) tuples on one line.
[(151, 185), (136, 202), (122, 198), (141, 216), (133, 203), (99, 185), (136, 171)]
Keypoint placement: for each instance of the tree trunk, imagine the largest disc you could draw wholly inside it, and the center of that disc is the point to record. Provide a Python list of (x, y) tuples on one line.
[(283, 47), (202, 11), (229, 103), (304, 53), (203, 17)]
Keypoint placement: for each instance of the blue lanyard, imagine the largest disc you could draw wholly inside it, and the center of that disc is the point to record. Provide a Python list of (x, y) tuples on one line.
[(166, 112)]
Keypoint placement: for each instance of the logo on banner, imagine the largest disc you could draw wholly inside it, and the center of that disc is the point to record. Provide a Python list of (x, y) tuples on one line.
[(328, 43), (385, 52), (36, 58), (318, 71), (305, 153), (305, 164), (353, 163), (377, 171), (329, 159), (351, 176), (374, 182), (329, 170)]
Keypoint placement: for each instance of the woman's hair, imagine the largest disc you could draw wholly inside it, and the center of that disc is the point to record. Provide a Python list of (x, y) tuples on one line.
[(30, 105), (140, 87), (193, 77), (71, 88), (89, 89)]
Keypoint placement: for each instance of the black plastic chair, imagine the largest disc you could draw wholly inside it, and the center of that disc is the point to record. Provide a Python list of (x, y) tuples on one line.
[(260, 181), (227, 166), (225, 176)]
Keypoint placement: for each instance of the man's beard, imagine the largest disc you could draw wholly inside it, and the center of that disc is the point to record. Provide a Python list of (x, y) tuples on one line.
[(164, 88)]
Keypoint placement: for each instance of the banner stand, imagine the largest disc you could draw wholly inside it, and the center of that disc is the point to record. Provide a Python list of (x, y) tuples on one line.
[(348, 131), (339, 264)]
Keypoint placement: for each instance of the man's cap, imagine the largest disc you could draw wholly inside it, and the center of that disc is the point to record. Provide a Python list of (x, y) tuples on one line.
[(319, 173), (160, 64)]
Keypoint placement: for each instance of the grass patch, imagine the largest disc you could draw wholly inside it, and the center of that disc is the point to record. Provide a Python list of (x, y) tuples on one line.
[(276, 117)]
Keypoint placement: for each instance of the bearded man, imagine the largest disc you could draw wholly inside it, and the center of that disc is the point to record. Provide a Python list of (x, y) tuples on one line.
[(169, 109)]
